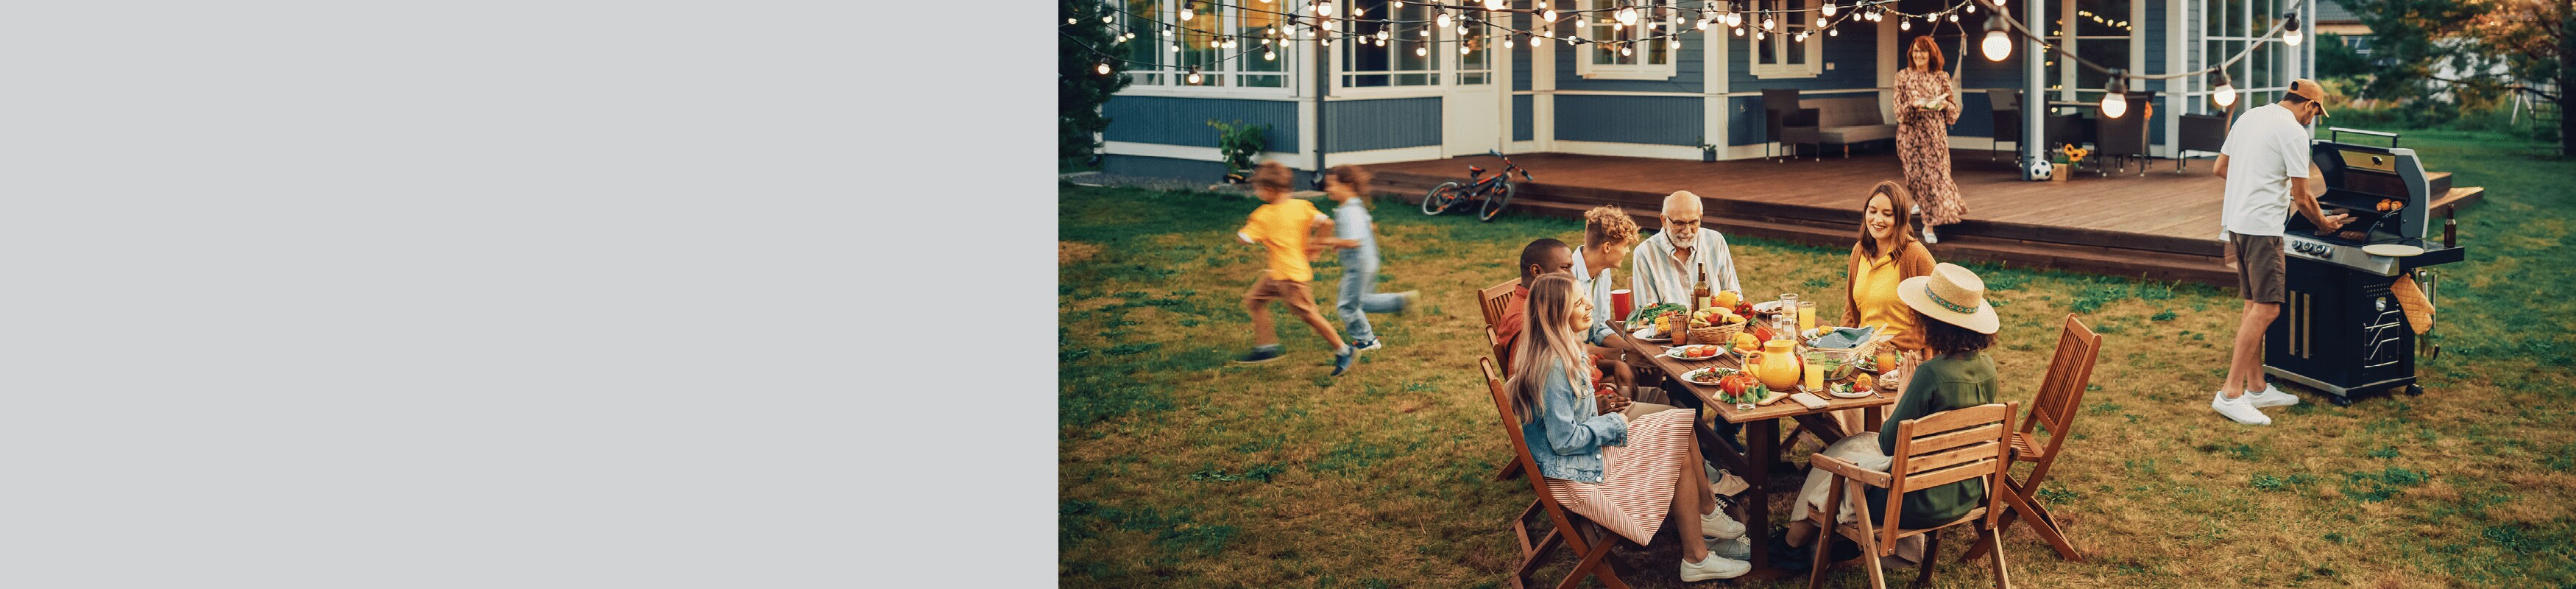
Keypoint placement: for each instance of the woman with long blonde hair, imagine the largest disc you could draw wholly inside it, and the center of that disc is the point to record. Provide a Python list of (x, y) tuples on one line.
[(1628, 473)]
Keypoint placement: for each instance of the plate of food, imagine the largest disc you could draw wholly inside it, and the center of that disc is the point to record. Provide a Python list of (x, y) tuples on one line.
[(1695, 352), (1845, 390), (1767, 307), (1648, 334), (1710, 375)]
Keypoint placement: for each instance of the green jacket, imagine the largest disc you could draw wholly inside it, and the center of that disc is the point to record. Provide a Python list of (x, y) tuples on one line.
[(1940, 384)]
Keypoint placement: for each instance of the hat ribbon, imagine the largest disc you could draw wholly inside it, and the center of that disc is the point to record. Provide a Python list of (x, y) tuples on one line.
[(1945, 304)]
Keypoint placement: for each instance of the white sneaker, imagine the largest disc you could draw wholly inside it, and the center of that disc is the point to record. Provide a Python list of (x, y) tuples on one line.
[(1715, 567), (2240, 408), (1928, 237), (1737, 548), (2272, 396), (1717, 525)]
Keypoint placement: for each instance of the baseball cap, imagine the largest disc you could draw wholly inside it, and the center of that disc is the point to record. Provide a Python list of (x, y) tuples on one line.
[(2309, 89)]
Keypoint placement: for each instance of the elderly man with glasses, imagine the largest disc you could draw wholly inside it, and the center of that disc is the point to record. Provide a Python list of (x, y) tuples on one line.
[(1664, 266)]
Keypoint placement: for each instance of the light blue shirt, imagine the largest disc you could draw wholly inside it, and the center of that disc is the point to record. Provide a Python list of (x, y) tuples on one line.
[(1351, 221), (1567, 434)]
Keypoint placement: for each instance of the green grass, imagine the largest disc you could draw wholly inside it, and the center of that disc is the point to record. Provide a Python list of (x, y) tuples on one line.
[(1178, 469)]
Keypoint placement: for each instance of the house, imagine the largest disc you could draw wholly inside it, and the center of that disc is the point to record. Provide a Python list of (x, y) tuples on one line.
[(1405, 92)]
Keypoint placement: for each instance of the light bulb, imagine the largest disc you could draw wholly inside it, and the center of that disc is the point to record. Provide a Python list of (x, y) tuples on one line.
[(1833, 32), (1675, 43), (1187, 14), (1357, 12), (1538, 41), (1998, 46), (1424, 33), (1323, 9), (1495, 4), (1507, 43), (2114, 105), (2225, 96), (1820, 23), (1105, 19), (1759, 34), (1999, 3), (1069, 20), (2291, 38), (1420, 52), (1625, 51), (1829, 9), (1381, 34), (1443, 20), (1972, 8), (1739, 31), (1905, 25), (1703, 25), (1954, 18), (1176, 48), (1104, 69), (1268, 55), (1463, 50), (1767, 23), (1550, 16), (1627, 16)]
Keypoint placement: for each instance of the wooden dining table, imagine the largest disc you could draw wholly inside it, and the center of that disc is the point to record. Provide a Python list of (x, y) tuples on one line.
[(1761, 434)]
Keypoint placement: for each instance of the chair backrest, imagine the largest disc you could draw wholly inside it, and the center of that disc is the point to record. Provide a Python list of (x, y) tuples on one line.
[(1944, 448), (1850, 111), (1495, 340), (1521, 451), (1777, 105), (2061, 392), (2006, 105), (2127, 134), (1493, 300), (2203, 133)]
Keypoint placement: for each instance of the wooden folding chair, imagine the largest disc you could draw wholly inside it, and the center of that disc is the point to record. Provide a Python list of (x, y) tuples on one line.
[(1591, 541), (1934, 450), (1493, 300), (2061, 393)]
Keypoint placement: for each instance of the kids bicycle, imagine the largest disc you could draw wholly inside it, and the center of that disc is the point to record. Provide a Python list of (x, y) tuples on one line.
[(1492, 193)]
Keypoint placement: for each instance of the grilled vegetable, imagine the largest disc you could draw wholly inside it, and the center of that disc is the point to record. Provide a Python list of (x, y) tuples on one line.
[(1649, 311)]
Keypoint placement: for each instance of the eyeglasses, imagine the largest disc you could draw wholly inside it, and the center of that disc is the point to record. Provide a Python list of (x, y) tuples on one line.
[(1681, 223)]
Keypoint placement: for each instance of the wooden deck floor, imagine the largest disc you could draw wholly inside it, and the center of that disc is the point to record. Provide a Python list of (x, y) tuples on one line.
[(2160, 225)]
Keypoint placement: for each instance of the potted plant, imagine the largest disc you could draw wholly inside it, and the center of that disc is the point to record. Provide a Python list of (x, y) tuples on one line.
[(1239, 143), (1707, 153), (2064, 162)]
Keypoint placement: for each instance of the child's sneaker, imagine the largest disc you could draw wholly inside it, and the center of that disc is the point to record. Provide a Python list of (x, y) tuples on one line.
[(1260, 354), (1342, 359), (1371, 344), (2240, 408), (1407, 305), (2272, 396)]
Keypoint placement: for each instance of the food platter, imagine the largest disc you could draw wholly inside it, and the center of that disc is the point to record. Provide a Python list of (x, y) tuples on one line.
[(1709, 375), (1684, 352), (1648, 335)]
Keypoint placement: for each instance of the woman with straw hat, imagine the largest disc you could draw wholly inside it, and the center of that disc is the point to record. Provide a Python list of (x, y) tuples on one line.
[(1958, 325)]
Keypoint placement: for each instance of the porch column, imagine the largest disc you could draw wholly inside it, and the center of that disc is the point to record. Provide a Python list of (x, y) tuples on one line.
[(2034, 97)]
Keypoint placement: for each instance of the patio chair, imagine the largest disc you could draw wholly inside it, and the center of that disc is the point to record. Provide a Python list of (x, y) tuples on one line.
[(2124, 137), (1784, 123), (1591, 541), (2201, 133), (1937, 449), (2006, 103), (2060, 394), (1493, 300)]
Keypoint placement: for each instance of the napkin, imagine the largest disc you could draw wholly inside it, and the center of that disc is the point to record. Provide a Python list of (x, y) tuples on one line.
[(1843, 338)]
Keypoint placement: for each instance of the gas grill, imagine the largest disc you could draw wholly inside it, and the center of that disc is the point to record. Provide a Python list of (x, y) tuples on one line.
[(2341, 331)]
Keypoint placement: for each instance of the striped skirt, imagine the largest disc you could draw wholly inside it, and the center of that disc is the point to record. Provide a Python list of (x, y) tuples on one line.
[(1637, 480)]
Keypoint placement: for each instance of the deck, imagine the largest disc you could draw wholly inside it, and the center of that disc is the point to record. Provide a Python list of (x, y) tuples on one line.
[(2160, 225)]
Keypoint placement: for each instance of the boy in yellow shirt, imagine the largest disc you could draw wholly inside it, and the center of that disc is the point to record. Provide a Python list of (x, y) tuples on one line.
[(1289, 228)]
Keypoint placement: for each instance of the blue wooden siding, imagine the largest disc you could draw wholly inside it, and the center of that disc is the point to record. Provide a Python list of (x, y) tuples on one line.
[(1976, 115), (1660, 120), (1524, 118), (1183, 121), (1688, 75), (1744, 124), (2155, 55), (1362, 125), (1162, 167), (1521, 72)]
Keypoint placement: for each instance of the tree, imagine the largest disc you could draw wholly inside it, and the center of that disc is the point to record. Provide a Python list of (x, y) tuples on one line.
[(2473, 49), (1083, 45), (2337, 60)]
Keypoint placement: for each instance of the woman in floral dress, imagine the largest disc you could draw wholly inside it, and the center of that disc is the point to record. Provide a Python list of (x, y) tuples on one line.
[(1926, 108)]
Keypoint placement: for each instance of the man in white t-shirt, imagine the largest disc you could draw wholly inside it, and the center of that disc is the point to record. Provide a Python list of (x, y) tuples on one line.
[(2265, 163)]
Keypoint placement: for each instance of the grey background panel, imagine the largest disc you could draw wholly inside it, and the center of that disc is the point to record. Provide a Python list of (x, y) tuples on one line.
[(1661, 120), (1183, 121)]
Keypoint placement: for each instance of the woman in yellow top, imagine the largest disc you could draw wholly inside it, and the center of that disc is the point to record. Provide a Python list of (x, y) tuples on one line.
[(1886, 255)]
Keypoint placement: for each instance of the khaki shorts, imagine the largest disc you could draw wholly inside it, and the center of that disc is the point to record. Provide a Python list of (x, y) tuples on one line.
[(2260, 275), (1292, 292)]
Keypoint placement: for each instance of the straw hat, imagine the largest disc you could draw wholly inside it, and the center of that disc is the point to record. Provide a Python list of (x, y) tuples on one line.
[(1951, 294)]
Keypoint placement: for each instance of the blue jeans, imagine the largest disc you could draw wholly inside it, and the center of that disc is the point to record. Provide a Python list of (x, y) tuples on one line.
[(1359, 276)]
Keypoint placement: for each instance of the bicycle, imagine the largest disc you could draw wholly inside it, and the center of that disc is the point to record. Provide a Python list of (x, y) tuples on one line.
[(1493, 193)]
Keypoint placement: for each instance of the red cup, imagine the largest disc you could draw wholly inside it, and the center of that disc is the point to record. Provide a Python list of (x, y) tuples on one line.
[(1620, 304)]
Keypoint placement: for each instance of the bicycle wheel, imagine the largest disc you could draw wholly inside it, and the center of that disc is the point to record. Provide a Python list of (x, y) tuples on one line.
[(1495, 199), (1440, 197)]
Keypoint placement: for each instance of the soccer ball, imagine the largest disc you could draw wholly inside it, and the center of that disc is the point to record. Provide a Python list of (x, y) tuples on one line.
[(2038, 170)]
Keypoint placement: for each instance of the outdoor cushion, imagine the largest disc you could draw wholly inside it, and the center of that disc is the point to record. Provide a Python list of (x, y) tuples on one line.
[(1858, 133)]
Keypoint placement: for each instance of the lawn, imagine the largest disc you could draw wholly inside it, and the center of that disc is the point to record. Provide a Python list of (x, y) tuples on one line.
[(1176, 469)]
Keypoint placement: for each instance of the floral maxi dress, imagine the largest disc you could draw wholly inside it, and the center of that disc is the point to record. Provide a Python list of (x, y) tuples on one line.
[(1922, 143)]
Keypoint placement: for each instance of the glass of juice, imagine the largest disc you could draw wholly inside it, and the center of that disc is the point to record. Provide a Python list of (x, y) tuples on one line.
[(1815, 377), (1806, 317)]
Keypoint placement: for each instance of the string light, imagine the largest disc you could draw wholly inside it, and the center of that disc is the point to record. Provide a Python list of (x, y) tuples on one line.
[(1954, 18), (1998, 46), (1550, 17), (1324, 8), (1626, 15), (1269, 55), (2116, 101), (1186, 14), (1069, 20), (1443, 21), (2225, 97), (1464, 49), (1104, 68), (1829, 9), (1495, 4), (1904, 25), (1194, 76), (2290, 30), (1421, 52)]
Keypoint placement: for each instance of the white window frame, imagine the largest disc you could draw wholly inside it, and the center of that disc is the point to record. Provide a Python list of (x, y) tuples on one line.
[(1440, 65), (1662, 13), (2063, 75), (1167, 77), (1781, 42)]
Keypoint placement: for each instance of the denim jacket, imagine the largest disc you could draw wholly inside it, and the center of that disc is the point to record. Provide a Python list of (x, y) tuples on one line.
[(1567, 435)]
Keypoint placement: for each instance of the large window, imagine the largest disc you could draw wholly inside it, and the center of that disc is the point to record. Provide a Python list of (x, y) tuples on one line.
[(2100, 31), (1400, 44), (1777, 50), (2226, 27), (1643, 51), (1165, 56)]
